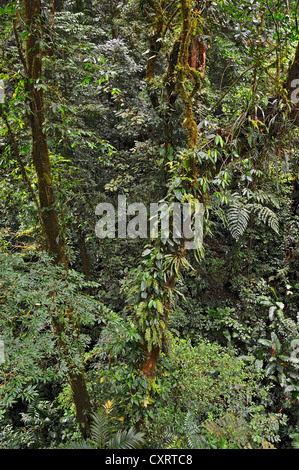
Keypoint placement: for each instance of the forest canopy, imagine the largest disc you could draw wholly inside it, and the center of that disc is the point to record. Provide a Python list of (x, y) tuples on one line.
[(149, 215)]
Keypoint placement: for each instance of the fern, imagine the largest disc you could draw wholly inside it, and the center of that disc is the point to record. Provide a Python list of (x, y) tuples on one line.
[(230, 428), (99, 428), (82, 444), (237, 217), (192, 433), (126, 440), (266, 215), (239, 212), (265, 198), (102, 437)]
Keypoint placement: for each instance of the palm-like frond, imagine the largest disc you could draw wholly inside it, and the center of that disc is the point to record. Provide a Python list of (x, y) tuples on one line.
[(101, 435), (99, 429), (126, 440), (81, 445)]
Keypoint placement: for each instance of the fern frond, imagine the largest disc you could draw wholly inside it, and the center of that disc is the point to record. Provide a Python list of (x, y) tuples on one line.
[(168, 438), (101, 435), (229, 428), (190, 426), (262, 197), (237, 218), (99, 429), (192, 432), (266, 215), (126, 440), (239, 212), (81, 445)]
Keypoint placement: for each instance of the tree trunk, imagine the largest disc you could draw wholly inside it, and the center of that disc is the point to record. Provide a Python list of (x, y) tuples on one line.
[(42, 165), (182, 68), (40, 152)]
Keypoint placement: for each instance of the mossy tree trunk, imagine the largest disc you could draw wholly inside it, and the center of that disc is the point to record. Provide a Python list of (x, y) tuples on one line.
[(47, 203), (186, 63), (40, 151)]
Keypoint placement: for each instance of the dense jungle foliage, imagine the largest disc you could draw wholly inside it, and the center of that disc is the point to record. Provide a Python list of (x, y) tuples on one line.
[(140, 343)]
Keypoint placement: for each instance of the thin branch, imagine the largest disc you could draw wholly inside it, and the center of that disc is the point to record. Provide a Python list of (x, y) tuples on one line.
[(170, 20), (20, 51), (236, 81)]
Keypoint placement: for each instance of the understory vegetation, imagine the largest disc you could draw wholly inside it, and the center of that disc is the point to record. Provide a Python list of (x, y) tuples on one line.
[(123, 342)]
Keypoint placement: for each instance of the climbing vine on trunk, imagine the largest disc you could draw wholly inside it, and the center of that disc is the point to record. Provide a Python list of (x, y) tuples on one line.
[(155, 280)]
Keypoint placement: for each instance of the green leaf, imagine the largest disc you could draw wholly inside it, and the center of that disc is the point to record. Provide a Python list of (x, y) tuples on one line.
[(265, 342), (146, 252), (276, 342), (160, 307)]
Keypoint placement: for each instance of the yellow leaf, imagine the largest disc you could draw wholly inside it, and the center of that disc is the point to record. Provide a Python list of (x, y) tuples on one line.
[(108, 406), (146, 402)]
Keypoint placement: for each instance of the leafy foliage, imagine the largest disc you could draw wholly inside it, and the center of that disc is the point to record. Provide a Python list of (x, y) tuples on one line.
[(164, 102)]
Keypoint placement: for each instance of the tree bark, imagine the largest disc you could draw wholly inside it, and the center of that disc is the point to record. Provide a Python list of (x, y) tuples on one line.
[(197, 58)]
